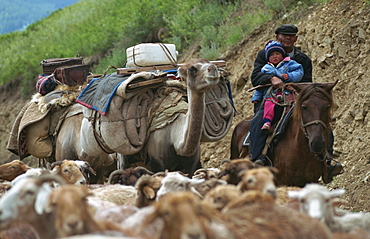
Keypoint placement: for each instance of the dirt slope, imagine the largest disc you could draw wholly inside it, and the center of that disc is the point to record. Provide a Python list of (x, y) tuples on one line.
[(335, 37)]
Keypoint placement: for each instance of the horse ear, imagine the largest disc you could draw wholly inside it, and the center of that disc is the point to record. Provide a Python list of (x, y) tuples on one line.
[(297, 86), (329, 86)]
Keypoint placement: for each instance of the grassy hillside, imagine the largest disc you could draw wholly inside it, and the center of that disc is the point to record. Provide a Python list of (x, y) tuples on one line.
[(101, 30)]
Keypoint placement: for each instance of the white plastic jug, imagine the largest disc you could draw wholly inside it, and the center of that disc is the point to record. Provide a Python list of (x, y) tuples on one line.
[(151, 54)]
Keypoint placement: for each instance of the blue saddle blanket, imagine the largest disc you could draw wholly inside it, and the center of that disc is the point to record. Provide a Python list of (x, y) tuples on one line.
[(99, 92)]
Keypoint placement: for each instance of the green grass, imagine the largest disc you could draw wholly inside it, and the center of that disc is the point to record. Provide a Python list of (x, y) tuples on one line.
[(105, 28)]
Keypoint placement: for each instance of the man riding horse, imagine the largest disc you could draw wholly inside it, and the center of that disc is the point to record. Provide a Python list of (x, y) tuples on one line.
[(287, 36)]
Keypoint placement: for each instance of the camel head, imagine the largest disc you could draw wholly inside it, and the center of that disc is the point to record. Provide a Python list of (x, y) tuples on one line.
[(200, 75)]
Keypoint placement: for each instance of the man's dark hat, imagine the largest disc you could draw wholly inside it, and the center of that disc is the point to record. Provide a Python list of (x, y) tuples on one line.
[(287, 29)]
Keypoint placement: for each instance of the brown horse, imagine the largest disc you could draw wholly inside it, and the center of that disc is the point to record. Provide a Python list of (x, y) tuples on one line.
[(300, 151)]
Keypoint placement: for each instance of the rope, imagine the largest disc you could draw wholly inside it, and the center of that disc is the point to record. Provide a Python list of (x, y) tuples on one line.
[(168, 54)]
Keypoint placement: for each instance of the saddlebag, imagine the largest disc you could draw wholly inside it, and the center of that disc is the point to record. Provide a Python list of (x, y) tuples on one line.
[(72, 75), (49, 65)]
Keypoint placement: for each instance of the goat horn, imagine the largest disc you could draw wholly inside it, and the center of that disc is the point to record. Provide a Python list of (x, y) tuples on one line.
[(114, 173), (48, 178), (90, 169), (56, 164), (143, 169), (201, 170), (225, 161)]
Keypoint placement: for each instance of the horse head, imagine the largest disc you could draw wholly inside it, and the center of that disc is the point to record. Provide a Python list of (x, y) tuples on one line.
[(313, 109)]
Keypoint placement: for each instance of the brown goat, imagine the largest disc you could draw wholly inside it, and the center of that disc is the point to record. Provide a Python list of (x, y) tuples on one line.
[(147, 188), (221, 195), (69, 171), (185, 216), (128, 176), (255, 215), (261, 179), (73, 215), (10, 171), (232, 169)]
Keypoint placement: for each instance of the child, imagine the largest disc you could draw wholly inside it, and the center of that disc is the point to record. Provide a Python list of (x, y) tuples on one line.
[(283, 67)]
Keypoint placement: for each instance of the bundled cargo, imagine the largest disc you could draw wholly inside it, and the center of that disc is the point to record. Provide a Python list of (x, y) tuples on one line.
[(151, 54), (49, 65)]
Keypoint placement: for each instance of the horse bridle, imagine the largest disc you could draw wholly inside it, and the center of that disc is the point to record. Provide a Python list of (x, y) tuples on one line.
[(304, 126), (316, 122)]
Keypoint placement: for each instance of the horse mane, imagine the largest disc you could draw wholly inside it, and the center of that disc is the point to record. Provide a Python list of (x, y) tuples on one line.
[(317, 90)]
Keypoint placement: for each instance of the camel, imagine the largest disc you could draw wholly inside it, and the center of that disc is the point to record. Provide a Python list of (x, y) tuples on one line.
[(176, 145), (51, 126), (68, 146)]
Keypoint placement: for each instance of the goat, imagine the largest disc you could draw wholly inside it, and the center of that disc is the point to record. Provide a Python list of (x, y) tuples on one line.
[(31, 173), (183, 215), (221, 195), (11, 170), (176, 182), (72, 171), (232, 169), (255, 215), (147, 188), (261, 179), (116, 193), (76, 219), (206, 173), (318, 202), (127, 176), (19, 231), (25, 203), (201, 188)]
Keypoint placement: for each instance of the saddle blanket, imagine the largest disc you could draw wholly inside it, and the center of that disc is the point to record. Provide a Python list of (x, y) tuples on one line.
[(99, 92)]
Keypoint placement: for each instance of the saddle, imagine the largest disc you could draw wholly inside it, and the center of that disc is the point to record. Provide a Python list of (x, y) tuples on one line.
[(278, 127)]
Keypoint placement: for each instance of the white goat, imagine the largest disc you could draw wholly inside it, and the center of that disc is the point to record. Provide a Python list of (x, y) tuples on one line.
[(175, 182), (318, 202), (25, 202)]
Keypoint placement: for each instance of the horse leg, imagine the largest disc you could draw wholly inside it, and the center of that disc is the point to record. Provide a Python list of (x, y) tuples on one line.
[(236, 144)]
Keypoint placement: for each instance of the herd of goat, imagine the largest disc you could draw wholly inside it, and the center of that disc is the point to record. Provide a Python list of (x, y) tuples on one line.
[(238, 201)]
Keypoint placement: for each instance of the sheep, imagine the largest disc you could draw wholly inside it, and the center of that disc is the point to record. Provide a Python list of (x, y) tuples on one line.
[(128, 176), (318, 202), (182, 215), (261, 179), (76, 219), (221, 195), (10, 171), (232, 169), (25, 203), (71, 171), (255, 215)]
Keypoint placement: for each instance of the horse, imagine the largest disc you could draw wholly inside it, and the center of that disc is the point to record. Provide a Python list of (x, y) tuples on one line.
[(299, 153)]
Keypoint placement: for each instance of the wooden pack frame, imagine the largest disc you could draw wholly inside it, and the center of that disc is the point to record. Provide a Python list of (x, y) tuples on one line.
[(128, 71)]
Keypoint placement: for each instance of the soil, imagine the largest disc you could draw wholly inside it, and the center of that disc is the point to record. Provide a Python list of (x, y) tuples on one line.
[(335, 37)]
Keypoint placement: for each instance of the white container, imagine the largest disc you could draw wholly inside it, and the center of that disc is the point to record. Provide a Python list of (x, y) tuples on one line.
[(151, 54)]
